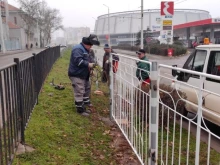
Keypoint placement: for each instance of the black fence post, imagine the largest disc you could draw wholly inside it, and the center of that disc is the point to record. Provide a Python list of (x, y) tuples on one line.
[(34, 74), (20, 98)]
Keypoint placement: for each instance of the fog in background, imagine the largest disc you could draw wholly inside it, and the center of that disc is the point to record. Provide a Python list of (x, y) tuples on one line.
[(82, 13)]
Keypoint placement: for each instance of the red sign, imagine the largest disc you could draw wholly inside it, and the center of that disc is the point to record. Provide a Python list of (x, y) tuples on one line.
[(167, 8), (148, 39), (106, 37)]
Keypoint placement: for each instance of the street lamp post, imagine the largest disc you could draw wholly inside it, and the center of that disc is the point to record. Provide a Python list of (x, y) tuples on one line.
[(108, 25), (38, 34), (2, 33), (142, 24), (95, 26)]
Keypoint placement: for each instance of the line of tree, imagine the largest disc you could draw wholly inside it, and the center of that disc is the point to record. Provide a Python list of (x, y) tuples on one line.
[(146, 33), (36, 14)]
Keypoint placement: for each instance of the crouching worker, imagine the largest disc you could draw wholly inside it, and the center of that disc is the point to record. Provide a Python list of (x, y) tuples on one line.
[(79, 73), (142, 72)]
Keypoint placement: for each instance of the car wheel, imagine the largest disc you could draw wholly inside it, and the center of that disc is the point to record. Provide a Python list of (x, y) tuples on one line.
[(184, 112)]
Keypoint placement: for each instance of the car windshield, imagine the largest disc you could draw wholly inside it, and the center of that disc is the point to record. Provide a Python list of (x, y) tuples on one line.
[(199, 60)]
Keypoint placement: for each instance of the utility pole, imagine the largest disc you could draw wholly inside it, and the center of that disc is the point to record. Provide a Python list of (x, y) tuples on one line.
[(95, 26), (109, 39), (1, 31), (38, 34), (142, 24)]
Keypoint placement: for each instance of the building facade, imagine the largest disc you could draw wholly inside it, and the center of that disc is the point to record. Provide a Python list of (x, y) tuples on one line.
[(14, 35), (74, 35), (17, 30), (125, 25)]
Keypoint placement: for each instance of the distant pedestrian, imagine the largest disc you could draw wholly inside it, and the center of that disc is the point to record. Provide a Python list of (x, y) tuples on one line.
[(31, 45), (36, 44), (0, 47), (26, 46)]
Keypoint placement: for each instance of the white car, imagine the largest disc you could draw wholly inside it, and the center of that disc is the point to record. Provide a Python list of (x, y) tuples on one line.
[(205, 59)]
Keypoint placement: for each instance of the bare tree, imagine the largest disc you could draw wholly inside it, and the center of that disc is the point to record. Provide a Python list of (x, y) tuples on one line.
[(41, 21), (49, 20), (53, 22), (29, 14), (37, 12)]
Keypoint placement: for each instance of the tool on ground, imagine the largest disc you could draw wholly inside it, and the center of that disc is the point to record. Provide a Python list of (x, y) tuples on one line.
[(59, 87)]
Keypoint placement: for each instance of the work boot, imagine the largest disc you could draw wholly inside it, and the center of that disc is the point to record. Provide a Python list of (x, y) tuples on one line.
[(81, 109), (86, 110), (88, 104), (84, 114)]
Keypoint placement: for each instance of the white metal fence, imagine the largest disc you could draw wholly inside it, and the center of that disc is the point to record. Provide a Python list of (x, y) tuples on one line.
[(153, 116)]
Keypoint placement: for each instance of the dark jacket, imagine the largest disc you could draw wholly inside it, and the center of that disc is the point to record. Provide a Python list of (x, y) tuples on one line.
[(79, 61), (142, 69), (106, 57), (92, 57)]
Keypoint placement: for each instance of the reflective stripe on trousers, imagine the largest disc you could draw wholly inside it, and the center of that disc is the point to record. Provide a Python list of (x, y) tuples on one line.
[(81, 89)]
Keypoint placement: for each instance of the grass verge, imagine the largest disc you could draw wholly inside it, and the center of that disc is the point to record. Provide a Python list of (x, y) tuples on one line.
[(61, 136)]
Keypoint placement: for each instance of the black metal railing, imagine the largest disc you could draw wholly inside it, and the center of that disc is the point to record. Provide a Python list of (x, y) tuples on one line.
[(20, 85)]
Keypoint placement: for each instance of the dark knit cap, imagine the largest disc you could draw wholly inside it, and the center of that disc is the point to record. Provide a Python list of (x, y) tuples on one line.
[(86, 41), (140, 51), (91, 40)]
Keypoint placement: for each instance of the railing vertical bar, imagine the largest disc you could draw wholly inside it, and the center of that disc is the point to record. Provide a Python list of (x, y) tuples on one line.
[(208, 152), (13, 111), (162, 128), (20, 99), (2, 120), (180, 142), (8, 112), (168, 125), (2, 83), (188, 142)]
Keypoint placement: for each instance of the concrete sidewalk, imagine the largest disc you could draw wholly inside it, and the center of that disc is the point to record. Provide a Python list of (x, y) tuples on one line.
[(7, 59), (13, 52)]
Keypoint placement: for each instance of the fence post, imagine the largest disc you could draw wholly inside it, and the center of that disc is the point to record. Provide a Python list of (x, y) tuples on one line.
[(111, 86), (34, 75), (20, 98), (153, 115), (199, 118)]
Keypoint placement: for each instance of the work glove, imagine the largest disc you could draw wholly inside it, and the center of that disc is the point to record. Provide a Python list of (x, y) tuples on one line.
[(91, 65), (106, 61)]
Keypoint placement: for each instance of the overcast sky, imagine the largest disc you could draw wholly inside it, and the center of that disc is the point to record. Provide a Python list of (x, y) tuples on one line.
[(82, 13)]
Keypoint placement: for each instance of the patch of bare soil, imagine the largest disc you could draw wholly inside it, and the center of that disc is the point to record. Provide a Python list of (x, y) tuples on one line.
[(123, 154)]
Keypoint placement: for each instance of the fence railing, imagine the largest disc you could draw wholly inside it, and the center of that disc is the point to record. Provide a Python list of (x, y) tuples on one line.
[(153, 116), (20, 85)]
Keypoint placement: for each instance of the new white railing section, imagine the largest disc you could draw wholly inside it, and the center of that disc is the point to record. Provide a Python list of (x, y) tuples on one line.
[(153, 117)]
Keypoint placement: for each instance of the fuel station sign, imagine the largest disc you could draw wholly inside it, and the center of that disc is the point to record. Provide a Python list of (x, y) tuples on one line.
[(167, 13)]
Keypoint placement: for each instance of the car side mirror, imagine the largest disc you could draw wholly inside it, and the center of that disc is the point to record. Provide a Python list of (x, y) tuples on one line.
[(174, 72)]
